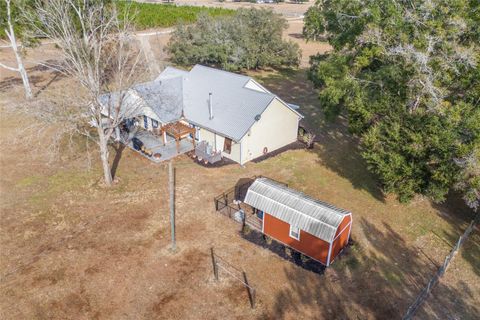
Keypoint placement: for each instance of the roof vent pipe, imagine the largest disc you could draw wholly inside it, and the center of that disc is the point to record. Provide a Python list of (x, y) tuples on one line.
[(210, 105)]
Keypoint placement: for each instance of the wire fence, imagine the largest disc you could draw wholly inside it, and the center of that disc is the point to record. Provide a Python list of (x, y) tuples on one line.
[(237, 274), (440, 272)]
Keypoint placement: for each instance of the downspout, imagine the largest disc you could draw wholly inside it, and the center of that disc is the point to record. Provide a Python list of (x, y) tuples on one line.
[(241, 153)]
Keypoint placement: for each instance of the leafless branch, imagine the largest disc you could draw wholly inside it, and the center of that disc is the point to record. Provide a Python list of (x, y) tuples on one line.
[(98, 48)]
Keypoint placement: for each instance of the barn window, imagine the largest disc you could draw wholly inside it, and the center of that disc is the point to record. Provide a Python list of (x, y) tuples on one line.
[(227, 145), (294, 232)]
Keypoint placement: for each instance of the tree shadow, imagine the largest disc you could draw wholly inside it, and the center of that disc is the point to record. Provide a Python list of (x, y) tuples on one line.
[(457, 213), (376, 280), (296, 35), (35, 79), (11, 82), (335, 147), (56, 76), (118, 147)]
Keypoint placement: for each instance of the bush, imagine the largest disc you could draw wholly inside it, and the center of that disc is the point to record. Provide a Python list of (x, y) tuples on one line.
[(250, 39)]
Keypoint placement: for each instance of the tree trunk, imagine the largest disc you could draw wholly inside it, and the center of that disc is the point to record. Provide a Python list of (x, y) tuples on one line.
[(23, 73), (104, 155), (20, 67)]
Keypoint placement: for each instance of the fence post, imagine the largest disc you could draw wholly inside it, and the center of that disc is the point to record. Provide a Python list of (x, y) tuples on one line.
[(171, 178), (440, 272), (254, 297), (251, 293), (214, 262)]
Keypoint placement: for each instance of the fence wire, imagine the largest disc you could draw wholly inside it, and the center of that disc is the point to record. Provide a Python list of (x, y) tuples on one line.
[(440, 272)]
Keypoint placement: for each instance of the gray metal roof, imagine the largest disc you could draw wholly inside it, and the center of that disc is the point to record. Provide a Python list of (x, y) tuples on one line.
[(126, 102), (235, 106), (313, 216), (164, 97), (171, 72)]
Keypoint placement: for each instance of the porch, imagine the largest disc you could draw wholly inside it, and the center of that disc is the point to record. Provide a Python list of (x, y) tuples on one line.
[(160, 150)]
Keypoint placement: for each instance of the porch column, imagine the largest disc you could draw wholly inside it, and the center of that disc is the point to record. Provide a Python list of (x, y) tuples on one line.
[(164, 134), (194, 133), (177, 140)]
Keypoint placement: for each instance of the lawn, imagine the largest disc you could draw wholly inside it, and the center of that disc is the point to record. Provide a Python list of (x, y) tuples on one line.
[(71, 249), (149, 15)]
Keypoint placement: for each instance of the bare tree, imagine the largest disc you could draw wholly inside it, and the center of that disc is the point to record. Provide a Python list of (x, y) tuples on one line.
[(98, 50), (9, 31)]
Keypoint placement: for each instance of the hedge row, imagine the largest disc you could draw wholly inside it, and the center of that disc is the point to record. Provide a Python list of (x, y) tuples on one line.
[(149, 15)]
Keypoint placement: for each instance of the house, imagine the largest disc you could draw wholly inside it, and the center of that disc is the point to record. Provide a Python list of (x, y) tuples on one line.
[(231, 115), (312, 227)]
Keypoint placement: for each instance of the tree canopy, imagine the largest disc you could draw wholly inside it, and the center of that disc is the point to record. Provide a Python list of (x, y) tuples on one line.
[(250, 39), (407, 76)]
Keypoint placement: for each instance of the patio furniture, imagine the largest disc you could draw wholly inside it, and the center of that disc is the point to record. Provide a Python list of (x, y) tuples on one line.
[(137, 144), (204, 152)]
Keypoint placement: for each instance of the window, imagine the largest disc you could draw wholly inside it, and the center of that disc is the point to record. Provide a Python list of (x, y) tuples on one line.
[(227, 145), (294, 232), (154, 123), (145, 122), (260, 214)]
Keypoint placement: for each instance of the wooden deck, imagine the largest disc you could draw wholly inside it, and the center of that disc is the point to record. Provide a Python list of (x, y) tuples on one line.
[(168, 151)]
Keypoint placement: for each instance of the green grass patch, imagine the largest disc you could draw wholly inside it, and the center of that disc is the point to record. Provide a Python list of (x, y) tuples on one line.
[(29, 181), (150, 15), (63, 181), (393, 278)]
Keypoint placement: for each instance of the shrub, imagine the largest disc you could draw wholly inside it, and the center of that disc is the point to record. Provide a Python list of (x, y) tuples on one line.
[(250, 39)]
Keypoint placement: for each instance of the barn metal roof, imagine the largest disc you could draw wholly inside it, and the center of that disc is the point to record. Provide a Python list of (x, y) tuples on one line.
[(296, 208)]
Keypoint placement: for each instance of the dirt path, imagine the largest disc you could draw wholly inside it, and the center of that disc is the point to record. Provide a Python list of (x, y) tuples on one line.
[(152, 62)]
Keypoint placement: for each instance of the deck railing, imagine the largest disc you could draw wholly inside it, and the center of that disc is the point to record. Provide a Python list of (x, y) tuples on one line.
[(203, 153)]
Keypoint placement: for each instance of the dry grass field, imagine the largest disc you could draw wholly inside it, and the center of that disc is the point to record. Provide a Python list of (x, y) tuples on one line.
[(72, 249)]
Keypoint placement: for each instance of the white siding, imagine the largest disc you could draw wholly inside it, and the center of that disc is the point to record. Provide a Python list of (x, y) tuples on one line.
[(217, 140), (277, 128)]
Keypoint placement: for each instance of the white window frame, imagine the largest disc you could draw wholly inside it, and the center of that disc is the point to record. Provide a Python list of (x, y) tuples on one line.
[(297, 232)]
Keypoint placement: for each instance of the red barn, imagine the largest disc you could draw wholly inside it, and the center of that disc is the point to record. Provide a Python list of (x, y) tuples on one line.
[(312, 227)]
